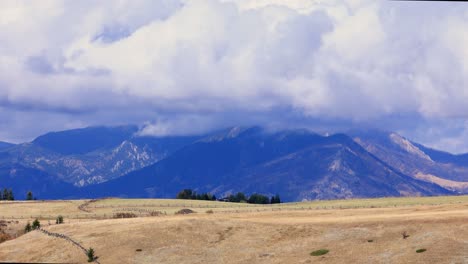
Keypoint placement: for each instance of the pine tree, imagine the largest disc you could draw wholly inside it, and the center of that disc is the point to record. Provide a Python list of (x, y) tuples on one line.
[(36, 224), (29, 196), (27, 228), (5, 194), (11, 197), (59, 220), (275, 199), (90, 254)]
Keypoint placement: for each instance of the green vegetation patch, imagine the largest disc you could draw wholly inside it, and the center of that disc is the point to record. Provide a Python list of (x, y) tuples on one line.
[(370, 240), (421, 250), (319, 252)]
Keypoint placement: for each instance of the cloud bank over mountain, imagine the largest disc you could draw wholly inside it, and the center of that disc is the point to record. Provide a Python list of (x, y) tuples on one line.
[(188, 66)]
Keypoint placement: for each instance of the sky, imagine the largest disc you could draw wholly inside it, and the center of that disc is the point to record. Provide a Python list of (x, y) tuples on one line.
[(182, 67)]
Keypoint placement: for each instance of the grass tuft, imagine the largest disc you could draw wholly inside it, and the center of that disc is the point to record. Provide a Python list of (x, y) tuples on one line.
[(319, 252), (370, 240), (421, 250)]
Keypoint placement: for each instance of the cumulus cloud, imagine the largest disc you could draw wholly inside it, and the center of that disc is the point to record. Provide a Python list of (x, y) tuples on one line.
[(187, 66)]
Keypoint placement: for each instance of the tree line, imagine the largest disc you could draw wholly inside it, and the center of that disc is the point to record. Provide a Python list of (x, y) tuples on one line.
[(7, 195), (256, 198), (188, 194)]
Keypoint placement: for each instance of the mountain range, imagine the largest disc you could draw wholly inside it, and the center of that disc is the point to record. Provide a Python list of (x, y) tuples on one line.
[(297, 164)]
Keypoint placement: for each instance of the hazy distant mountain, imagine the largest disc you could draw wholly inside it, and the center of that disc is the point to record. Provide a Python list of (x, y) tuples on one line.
[(85, 140), (447, 170), (43, 186), (92, 155), (296, 164)]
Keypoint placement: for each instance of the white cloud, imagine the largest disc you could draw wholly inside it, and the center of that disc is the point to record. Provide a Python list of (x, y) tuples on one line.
[(169, 60)]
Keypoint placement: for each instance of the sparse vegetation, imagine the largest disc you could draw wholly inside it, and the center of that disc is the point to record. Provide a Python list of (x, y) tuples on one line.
[(155, 213), (27, 228), (125, 215), (209, 211), (36, 224), (90, 254), (59, 220), (319, 252), (405, 235), (184, 211), (421, 250), (4, 237)]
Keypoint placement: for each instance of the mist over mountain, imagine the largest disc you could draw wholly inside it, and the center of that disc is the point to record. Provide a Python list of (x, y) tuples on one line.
[(297, 164)]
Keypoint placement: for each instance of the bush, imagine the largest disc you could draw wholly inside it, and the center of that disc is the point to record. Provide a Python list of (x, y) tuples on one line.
[(370, 240), (4, 237), (36, 224), (27, 228), (319, 252), (184, 211), (209, 212), (421, 250), (59, 220), (125, 215), (155, 213), (90, 254)]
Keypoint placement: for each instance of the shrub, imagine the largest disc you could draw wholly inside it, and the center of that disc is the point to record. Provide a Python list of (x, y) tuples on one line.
[(27, 228), (421, 250), (4, 237), (36, 224), (405, 235), (90, 254), (138, 250), (319, 252), (209, 212), (155, 213), (125, 215), (59, 220), (184, 211), (370, 240)]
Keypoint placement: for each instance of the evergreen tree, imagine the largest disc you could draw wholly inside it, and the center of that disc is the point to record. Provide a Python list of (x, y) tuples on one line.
[(275, 199), (185, 194), (36, 224), (90, 254), (5, 194), (27, 228), (59, 220), (11, 197), (258, 199), (29, 196)]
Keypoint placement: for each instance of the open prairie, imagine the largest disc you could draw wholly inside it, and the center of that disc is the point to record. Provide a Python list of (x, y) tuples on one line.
[(359, 231)]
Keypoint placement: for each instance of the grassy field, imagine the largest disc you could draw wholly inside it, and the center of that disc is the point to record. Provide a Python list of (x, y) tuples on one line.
[(359, 231), (106, 208)]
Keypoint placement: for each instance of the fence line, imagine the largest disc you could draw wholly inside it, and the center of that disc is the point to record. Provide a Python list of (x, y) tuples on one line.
[(67, 238)]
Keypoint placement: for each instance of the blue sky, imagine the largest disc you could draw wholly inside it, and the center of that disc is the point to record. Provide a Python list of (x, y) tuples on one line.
[(190, 66)]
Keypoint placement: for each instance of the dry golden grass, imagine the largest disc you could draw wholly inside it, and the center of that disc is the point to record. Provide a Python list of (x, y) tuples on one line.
[(286, 236)]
